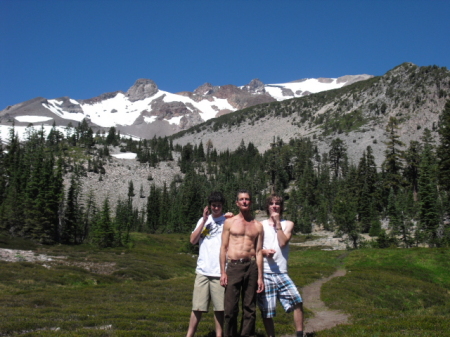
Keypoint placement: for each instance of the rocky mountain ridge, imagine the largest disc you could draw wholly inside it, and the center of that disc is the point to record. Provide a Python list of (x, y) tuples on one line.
[(145, 111)]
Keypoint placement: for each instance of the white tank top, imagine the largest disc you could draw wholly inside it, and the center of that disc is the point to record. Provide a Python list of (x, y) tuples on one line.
[(278, 263)]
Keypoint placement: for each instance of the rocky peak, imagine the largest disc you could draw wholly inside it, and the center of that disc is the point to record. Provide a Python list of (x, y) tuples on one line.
[(205, 89), (255, 87), (69, 105), (142, 88)]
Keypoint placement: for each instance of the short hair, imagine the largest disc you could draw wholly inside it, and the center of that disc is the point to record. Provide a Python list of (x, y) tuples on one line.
[(241, 191), (216, 197), (275, 197)]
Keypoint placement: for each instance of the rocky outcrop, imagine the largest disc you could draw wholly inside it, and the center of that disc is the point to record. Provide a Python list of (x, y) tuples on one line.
[(239, 98), (255, 87), (69, 105), (101, 97), (206, 89), (142, 88), (350, 79), (167, 110), (325, 80)]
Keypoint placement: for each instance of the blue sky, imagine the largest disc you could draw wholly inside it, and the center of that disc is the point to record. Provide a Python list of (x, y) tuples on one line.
[(83, 48)]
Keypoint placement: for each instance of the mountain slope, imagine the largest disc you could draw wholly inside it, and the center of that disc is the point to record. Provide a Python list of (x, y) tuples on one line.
[(357, 113)]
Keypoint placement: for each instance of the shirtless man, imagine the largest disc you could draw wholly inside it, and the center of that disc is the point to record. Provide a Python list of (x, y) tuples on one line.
[(241, 249)]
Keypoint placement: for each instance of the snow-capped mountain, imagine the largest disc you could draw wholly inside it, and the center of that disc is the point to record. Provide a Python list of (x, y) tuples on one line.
[(145, 110)]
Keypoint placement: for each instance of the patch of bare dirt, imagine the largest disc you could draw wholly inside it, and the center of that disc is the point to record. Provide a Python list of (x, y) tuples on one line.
[(324, 318), (326, 239), (16, 255)]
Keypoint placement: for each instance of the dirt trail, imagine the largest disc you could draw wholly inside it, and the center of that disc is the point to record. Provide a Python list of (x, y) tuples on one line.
[(324, 318)]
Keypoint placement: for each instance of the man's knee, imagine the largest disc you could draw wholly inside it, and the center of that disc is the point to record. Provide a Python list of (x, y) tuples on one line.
[(298, 307)]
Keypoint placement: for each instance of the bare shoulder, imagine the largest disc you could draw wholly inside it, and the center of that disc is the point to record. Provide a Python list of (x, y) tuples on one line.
[(259, 225), (227, 223), (289, 225)]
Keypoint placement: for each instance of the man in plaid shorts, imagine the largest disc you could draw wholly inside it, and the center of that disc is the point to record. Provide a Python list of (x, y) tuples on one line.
[(277, 283)]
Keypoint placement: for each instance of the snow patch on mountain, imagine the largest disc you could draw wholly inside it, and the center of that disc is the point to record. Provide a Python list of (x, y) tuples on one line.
[(282, 91), (175, 120), (54, 105), (32, 119), (119, 110), (150, 119), (128, 155), (21, 131)]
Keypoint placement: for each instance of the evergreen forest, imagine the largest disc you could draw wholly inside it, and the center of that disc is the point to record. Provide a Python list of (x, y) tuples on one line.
[(404, 203)]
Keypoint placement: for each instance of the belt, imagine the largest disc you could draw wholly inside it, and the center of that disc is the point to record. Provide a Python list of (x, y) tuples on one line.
[(244, 260)]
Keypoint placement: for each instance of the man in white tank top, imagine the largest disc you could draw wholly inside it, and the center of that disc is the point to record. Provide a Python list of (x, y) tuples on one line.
[(277, 283)]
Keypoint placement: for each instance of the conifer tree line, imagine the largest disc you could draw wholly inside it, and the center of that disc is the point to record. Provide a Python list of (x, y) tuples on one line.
[(33, 201), (405, 202)]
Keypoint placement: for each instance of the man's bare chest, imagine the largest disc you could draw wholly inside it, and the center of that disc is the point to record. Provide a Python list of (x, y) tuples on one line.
[(244, 229)]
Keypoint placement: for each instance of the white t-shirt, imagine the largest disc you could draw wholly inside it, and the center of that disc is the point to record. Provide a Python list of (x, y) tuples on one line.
[(208, 263), (278, 262)]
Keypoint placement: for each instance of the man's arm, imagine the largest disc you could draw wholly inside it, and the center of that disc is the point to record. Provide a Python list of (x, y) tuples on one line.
[(259, 257), (268, 252), (223, 252), (288, 230), (283, 236), (195, 235)]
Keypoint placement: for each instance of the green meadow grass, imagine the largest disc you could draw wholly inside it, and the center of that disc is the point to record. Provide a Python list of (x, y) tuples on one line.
[(393, 292), (148, 290)]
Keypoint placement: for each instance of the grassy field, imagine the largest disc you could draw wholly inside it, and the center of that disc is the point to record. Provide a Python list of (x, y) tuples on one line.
[(393, 292), (146, 290)]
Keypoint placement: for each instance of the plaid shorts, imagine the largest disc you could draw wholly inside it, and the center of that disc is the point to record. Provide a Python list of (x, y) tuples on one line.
[(278, 286)]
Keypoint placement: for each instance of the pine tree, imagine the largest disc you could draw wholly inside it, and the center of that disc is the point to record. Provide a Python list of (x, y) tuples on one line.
[(2, 174), (338, 157), (153, 209), (54, 198), (428, 195), (33, 226), (16, 172), (344, 214), (112, 138), (393, 213), (324, 201), (443, 153), (187, 157), (200, 152), (70, 233), (102, 234), (412, 158), (89, 215), (164, 215), (131, 189), (405, 207), (191, 196), (126, 218), (393, 163)]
